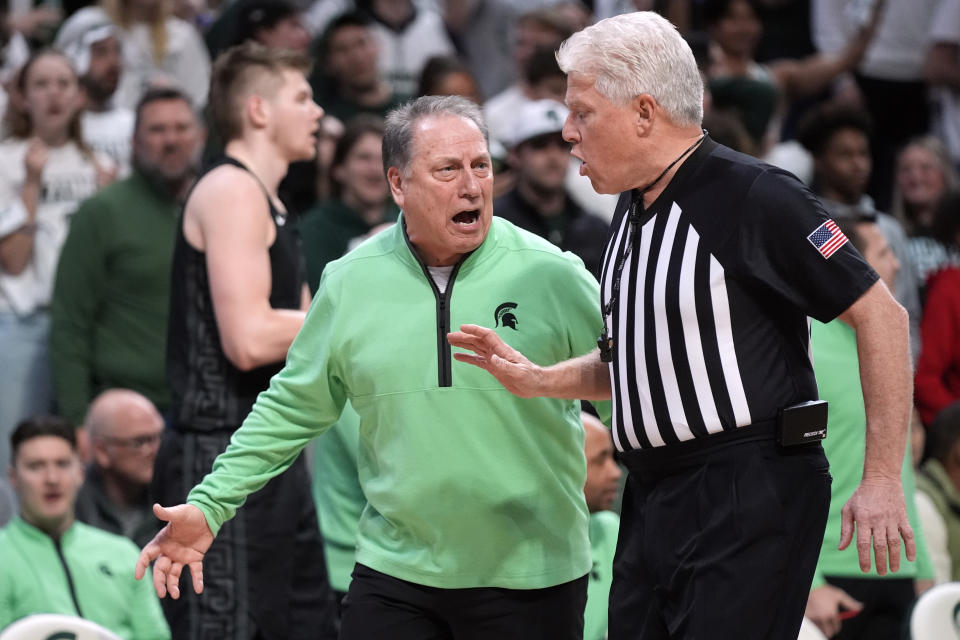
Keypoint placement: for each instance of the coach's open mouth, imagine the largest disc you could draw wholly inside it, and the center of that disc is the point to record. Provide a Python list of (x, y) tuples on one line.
[(467, 217)]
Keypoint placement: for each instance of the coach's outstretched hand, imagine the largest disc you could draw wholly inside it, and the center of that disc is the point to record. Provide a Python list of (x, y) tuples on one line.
[(517, 374), (182, 542)]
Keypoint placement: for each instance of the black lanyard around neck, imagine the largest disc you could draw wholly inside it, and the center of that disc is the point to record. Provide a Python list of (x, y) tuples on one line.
[(605, 342)]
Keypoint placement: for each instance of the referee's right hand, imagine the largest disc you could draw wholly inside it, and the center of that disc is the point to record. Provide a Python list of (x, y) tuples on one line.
[(518, 375), (877, 511), (182, 542)]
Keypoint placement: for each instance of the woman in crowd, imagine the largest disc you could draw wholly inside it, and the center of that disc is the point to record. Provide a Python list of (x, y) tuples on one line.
[(158, 48), (361, 198), (45, 172), (924, 176), (448, 76)]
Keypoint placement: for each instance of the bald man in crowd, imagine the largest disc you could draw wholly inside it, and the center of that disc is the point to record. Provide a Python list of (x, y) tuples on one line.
[(123, 428)]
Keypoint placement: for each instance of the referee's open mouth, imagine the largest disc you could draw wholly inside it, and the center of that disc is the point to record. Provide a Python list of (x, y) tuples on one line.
[(583, 164)]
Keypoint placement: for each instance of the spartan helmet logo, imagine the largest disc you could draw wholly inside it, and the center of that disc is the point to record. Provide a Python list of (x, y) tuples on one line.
[(504, 315)]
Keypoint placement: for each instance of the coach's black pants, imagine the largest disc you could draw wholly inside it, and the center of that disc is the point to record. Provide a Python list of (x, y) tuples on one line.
[(719, 542), (380, 606)]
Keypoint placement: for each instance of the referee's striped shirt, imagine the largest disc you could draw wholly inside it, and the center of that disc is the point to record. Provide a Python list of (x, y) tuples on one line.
[(710, 324)]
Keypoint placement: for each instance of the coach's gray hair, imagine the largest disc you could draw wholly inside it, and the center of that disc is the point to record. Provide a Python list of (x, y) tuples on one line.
[(398, 131), (636, 53)]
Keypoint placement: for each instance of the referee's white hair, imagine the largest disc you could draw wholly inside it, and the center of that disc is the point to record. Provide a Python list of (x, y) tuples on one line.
[(638, 53)]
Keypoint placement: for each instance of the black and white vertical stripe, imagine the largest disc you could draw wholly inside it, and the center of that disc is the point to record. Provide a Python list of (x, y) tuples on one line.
[(675, 371)]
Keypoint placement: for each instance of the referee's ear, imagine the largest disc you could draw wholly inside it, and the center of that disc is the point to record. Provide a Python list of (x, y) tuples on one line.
[(646, 110)]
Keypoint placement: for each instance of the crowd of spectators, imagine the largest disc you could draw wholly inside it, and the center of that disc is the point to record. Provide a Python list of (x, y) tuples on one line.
[(104, 132)]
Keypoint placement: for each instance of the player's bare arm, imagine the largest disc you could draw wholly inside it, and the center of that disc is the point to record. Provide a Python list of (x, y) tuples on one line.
[(228, 218)]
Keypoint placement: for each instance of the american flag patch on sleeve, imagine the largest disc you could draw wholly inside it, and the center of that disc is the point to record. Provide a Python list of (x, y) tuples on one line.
[(827, 238)]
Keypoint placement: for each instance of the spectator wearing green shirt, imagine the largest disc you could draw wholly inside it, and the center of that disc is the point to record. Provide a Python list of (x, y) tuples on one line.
[(53, 564), (112, 289), (876, 606)]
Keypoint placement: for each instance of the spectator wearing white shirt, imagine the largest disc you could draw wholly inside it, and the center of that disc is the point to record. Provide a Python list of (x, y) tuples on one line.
[(408, 36), (535, 30), (45, 171), (93, 44), (158, 49)]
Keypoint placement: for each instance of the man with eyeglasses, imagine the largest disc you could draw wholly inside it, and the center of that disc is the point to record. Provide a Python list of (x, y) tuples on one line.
[(539, 202), (124, 430)]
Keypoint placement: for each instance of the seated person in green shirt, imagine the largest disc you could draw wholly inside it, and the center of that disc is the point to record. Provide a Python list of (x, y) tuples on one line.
[(49, 562), (844, 603), (339, 498), (600, 490)]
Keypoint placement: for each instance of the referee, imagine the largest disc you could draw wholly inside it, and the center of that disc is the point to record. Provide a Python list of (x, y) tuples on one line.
[(714, 264)]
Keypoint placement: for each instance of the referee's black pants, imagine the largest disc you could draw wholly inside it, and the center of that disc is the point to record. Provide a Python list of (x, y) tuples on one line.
[(381, 606), (719, 542)]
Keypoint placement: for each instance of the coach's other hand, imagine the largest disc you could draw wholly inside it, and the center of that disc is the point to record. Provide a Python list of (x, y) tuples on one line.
[(182, 542)]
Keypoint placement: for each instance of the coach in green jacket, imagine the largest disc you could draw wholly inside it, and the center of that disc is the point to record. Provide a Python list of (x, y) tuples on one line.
[(476, 520)]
